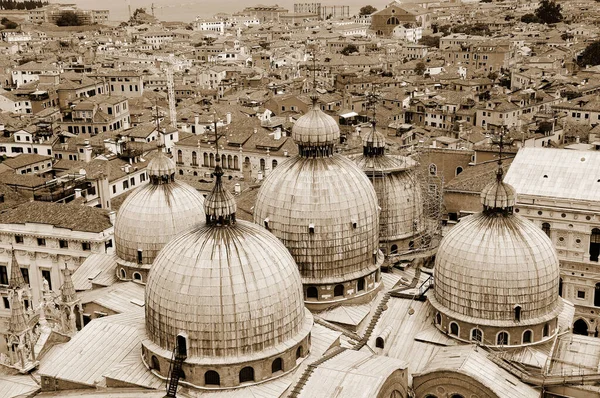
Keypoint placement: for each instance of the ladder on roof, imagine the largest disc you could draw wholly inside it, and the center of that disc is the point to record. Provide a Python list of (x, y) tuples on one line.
[(174, 373)]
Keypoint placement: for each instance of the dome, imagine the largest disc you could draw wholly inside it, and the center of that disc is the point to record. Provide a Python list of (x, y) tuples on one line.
[(325, 212), (495, 261), (374, 139), (154, 214), (161, 166), (315, 128)]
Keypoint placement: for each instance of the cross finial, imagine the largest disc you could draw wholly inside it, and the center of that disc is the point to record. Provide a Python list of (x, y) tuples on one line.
[(500, 145), (372, 100)]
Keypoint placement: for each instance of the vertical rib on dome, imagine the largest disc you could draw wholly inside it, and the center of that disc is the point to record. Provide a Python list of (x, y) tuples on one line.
[(316, 132), (498, 196)]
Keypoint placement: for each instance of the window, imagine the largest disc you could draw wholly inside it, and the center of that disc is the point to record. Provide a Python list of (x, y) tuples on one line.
[(546, 331), (122, 273), (154, 364), (312, 292), (477, 335), (41, 242), (502, 338), (142, 177), (361, 284), (137, 276), (595, 244), (518, 313), (140, 256), (459, 170), (580, 294), (277, 365), (527, 336), (18, 239), (114, 189), (25, 273), (6, 302), (125, 184), (3, 275), (47, 277), (246, 374), (212, 378), (338, 290), (454, 330), (394, 249), (438, 319), (546, 228), (132, 181), (63, 244), (432, 169), (86, 246), (299, 352)]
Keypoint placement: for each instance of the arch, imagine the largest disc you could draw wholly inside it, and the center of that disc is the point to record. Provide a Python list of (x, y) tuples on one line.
[(137, 276), (477, 335), (454, 329), (438, 319), (205, 163), (379, 343), (299, 352), (411, 245), (394, 249), (432, 169), (517, 313), (182, 345), (212, 378), (546, 330), (459, 170), (338, 290), (277, 365), (154, 364), (595, 244), (123, 273), (312, 292), (274, 163), (229, 162), (580, 327), (194, 158), (502, 338), (597, 295), (546, 228), (180, 172), (527, 337), (262, 164), (456, 396), (360, 285), (223, 161), (236, 162), (179, 156), (211, 158), (392, 21), (247, 160), (247, 374)]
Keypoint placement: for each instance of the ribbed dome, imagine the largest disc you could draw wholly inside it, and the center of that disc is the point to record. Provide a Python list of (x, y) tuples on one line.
[(489, 263), (234, 290), (374, 139), (498, 195), (325, 212), (153, 215), (316, 128), (161, 166)]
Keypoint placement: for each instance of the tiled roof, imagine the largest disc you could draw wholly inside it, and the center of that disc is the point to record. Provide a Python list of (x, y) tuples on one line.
[(25, 159), (475, 178), (68, 216)]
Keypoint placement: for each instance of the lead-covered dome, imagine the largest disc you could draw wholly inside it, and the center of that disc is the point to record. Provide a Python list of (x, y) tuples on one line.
[(498, 269), (315, 128), (155, 213), (232, 291)]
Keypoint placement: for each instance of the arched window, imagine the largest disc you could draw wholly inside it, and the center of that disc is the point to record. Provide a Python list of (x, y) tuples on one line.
[(194, 159), (181, 345), (223, 161), (360, 286), (247, 160), (527, 336), (518, 313), (205, 164), (432, 169), (274, 163), (236, 164), (546, 331), (411, 245), (338, 290), (459, 170), (140, 256), (299, 352), (123, 273), (393, 21), (229, 162), (502, 338), (580, 327), (454, 329), (597, 295), (262, 164), (247, 374), (456, 396), (137, 276), (477, 335), (379, 343), (595, 244), (312, 292), (560, 286), (212, 378), (394, 249), (438, 319), (211, 160), (179, 156), (546, 228), (154, 364), (277, 365)]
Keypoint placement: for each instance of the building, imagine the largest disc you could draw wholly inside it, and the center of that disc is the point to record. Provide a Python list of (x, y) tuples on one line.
[(265, 13), (52, 12), (557, 190), (27, 164), (124, 83), (384, 21), (98, 114), (31, 71)]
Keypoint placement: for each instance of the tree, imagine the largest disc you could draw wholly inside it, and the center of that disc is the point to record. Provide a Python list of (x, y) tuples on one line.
[(591, 55), (349, 49), (530, 18), (367, 10), (549, 12), (8, 24), (68, 18), (493, 75), (430, 41), (420, 68)]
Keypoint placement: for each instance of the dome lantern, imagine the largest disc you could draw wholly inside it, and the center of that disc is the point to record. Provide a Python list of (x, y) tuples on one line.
[(161, 169), (374, 143), (219, 206), (316, 133)]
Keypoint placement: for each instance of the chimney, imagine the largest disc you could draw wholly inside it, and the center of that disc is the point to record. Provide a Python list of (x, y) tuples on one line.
[(255, 130), (228, 117), (112, 216), (237, 188), (197, 124), (77, 193), (277, 134), (285, 153), (127, 168), (259, 176), (577, 140), (87, 152)]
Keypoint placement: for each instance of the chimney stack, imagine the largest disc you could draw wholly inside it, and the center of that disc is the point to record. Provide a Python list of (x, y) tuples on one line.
[(228, 117), (112, 216)]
